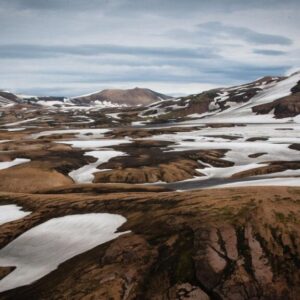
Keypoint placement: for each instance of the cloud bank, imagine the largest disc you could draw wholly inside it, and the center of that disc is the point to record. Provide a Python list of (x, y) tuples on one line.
[(72, 47)]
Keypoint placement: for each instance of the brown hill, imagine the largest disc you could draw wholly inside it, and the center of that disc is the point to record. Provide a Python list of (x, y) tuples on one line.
[(136, 96)]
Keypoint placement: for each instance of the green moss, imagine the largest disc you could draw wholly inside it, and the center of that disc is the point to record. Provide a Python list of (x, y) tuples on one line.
[(184, 271), (280, 217)]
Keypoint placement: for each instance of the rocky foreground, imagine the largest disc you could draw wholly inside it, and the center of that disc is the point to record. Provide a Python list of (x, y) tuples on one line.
[(211, 244)]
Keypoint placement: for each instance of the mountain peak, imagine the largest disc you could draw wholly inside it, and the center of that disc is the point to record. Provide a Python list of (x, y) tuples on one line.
[(135, 96)]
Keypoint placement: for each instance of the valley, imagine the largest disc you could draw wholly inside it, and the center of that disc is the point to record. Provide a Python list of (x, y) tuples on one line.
[(195, 197)]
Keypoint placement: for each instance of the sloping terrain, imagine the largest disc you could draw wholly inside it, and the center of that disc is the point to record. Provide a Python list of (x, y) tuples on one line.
[(109, 98), (153, 202), (221, 244), (261, 101)]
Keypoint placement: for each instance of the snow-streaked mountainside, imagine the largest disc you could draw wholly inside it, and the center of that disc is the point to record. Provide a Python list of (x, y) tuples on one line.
[(102, 99), (7, 98), (268, 99), (265, 100)]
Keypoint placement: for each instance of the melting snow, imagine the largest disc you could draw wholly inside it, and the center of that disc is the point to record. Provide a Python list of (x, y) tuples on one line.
[(43, 248), (16, 129), (15, 162), (81, 133), (275, 147), (284, 181), (85, 173), (11, 212), (242, 113), (21, 122), (95, 143)]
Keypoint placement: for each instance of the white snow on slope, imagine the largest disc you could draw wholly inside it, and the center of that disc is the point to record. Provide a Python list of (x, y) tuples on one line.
[(49, 103), (85, 173), (288, 181), (242, 113), (5, 102), (81, 133), (95, 143), (114, 115), (215, 172), (107, 104), (16, 129), (275, 148), (15, 162), (11, 212), (275, 91), (20, 122), (43, 248)]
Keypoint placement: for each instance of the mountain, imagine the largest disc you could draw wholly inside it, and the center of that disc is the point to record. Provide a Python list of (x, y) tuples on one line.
[(8, 98), (266, 99), (108, 98), (96, 203), (130, 97)]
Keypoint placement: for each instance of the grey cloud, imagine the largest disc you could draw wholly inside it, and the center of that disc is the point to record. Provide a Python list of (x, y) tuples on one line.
[(22, 51), (56, 4), (219, 29), (148, 6), (269, 52), (37, 33), (221, 72)]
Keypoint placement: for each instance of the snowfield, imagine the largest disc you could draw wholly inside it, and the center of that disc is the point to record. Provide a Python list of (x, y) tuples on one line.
[(95, 143), (15, 162), (242, 112), (21, 122), (80, 133), (272, 141), (43, 248), (11, 212), (85, 173), (279, 181)]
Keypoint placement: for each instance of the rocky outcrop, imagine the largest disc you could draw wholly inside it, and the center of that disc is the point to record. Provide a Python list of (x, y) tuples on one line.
[(171, 172), (296, 88), (295, 147), (146, 162), (103, 188), (222, 244), (283, 108)]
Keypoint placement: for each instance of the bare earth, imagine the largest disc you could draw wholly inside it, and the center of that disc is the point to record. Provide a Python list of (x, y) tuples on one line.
[(210, 244), (210, 207)]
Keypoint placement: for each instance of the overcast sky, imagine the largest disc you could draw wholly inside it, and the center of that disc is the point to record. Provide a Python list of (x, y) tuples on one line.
[(72, 47)]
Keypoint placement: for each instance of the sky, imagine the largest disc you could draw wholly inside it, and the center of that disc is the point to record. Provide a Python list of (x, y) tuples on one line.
[(73, 47)]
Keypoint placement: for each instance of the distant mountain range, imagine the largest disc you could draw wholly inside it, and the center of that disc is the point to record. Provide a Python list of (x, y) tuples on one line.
[(105, 98), (265, 99)]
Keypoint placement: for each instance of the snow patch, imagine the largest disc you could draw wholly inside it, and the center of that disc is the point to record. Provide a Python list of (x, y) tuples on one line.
[(11, 212), (85, 173), (81, 133), (15, 162), (95, 143), (43, 248)]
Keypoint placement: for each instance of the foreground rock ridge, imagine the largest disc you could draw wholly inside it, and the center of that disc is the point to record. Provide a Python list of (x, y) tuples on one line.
[(217, 244), (194, 197)]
